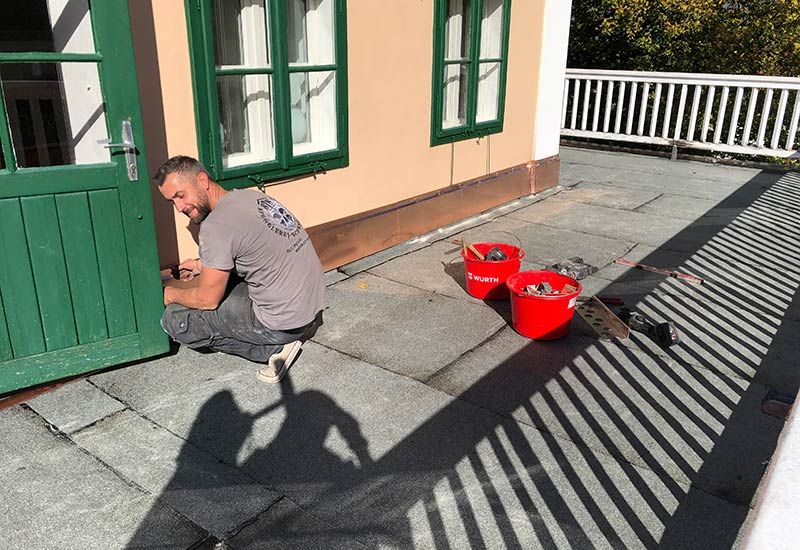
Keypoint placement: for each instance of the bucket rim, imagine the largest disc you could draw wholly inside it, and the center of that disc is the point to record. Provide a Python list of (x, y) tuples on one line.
[(519, 257), (525, 295)]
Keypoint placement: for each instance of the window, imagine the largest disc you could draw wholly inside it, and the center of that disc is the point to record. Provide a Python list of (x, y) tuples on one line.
[(469, 68), (270, 87)]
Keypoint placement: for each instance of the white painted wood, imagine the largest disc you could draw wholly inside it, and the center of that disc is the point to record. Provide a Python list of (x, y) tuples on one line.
[(631, 107), (609, 99), (620, 99), (643, 107), (737, 108), (564, 99), (720, 120), (707, 114), (790, 83), (552, 63), (693, 117), (681, 110), (762, 127), (597, 96), (586, 93), (783, 153), (776, 132), (673, 123), (790, 140), (751, 111), (668, 111), (576, 92), (656, 108)]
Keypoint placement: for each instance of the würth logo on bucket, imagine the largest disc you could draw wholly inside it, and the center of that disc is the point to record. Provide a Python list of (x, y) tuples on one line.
[(481, 279)]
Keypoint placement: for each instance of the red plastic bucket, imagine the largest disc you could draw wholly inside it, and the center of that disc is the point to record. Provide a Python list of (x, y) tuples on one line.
[(544, 317), (487, 280)]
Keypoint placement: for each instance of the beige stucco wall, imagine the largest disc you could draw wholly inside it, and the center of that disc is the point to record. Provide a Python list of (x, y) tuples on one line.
[(390, 55)]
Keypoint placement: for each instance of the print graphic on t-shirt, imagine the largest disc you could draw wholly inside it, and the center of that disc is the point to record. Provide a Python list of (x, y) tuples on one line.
[(278, 218)]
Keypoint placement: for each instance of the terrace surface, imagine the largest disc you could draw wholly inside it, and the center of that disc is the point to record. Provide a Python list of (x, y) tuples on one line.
[(418, 418)]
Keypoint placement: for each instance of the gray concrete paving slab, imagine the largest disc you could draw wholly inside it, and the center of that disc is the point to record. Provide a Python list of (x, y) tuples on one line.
[(618, 224), (390, 324), (334, 276), (381, 257), (55, 496), (74, 406), (589, 159), (611, 197), (649, 411), (688, 208), (215, 496), (286, 526), (439, 472), (690, 528), (438, 268)]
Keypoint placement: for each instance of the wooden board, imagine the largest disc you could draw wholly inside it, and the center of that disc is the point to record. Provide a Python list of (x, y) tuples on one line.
[(604, 322)]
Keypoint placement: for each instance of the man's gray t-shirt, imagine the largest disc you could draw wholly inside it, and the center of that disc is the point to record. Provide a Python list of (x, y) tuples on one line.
[(270, 250)]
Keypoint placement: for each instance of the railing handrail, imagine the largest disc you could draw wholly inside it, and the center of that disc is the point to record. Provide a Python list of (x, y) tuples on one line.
[(706, 79), (747, 114)]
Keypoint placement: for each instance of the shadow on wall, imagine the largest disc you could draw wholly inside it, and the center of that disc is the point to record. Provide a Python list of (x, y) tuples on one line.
[(150, 94), (631, 448)]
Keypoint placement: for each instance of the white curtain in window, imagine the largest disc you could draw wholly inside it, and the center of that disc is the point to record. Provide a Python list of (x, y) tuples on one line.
[(456, 76), (489, 72), (310, 33), (245, 101)]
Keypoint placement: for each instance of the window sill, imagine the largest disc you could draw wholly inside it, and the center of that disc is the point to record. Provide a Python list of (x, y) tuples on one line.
[(479, 132), (278, 176)]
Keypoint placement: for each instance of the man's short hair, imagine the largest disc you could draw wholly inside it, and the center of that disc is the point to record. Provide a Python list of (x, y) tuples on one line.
[(181, 164)]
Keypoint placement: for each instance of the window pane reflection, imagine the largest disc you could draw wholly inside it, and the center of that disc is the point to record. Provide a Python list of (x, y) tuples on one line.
[(46, 26), (245, 113), (313, 111), (55, 112)]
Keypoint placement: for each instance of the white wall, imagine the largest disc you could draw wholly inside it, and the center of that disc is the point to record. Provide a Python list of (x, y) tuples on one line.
[(553, 64)]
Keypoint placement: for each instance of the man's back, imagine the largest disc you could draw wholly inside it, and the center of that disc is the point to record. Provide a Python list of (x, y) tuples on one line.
[(266, 245)]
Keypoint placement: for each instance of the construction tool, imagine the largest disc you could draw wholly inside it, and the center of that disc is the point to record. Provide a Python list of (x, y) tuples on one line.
[(602, 320), (472, 249), (665, 334), (495, 254), (667, 272), (573, 267)]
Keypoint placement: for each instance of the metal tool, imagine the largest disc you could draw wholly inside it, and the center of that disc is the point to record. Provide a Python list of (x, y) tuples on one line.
[(573, 267), (665, 334), (667, 272)]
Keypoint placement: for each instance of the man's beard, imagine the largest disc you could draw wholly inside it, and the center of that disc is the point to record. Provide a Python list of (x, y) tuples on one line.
[(202, 212)]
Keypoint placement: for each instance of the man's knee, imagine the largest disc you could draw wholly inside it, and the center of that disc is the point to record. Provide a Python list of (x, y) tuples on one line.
[(175, 321)]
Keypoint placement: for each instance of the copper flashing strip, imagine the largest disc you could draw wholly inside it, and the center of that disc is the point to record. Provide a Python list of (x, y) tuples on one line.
[(546, 172), (347, 239)]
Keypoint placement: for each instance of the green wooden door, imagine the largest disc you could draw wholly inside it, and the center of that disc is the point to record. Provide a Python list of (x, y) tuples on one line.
[(79, 282)]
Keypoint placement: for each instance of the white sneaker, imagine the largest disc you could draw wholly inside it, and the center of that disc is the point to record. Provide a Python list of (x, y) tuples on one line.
[(279, 363)]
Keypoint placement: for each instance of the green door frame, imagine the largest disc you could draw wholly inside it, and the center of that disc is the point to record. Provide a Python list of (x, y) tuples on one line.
[(28, 357)]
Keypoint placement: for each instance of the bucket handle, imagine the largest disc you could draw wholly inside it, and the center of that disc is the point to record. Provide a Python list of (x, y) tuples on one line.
[(519, 242)]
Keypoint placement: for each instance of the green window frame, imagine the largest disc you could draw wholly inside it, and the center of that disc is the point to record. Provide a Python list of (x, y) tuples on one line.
[(288, 78), (470, 65)]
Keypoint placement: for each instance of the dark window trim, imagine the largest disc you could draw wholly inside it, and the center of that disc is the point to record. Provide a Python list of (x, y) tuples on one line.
[(204, 73), (472, 129)]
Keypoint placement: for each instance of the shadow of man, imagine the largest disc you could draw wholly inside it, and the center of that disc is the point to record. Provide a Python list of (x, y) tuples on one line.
[(219, 500)]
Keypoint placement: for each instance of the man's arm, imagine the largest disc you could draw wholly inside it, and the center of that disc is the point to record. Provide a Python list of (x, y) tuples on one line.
[(206, 295)]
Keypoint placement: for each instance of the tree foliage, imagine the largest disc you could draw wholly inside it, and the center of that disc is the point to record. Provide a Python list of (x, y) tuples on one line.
[(758, 37)]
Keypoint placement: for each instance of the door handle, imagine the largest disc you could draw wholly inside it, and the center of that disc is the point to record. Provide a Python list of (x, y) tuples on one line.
[(130, 149)]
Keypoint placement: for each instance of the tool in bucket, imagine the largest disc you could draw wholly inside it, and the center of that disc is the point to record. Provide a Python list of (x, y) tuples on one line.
[(542, 316), (486, 278)]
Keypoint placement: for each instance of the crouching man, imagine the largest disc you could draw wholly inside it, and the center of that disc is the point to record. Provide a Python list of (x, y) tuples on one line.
[(279, 301)]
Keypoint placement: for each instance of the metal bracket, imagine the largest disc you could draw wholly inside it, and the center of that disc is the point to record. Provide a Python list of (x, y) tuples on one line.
[(130, 149)]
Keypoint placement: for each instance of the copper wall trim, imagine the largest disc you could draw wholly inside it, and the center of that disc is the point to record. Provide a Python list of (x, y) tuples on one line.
[(547, 174), (343, 241)]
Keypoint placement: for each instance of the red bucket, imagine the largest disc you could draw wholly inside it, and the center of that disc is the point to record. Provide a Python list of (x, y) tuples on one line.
[(544, 317), (487, 280)]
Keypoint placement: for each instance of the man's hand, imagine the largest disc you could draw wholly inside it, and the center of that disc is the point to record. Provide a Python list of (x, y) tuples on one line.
[(189, 269), (207, 294)]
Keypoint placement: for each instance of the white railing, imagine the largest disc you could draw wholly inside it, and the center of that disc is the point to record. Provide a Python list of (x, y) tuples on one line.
[(738, 114)]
